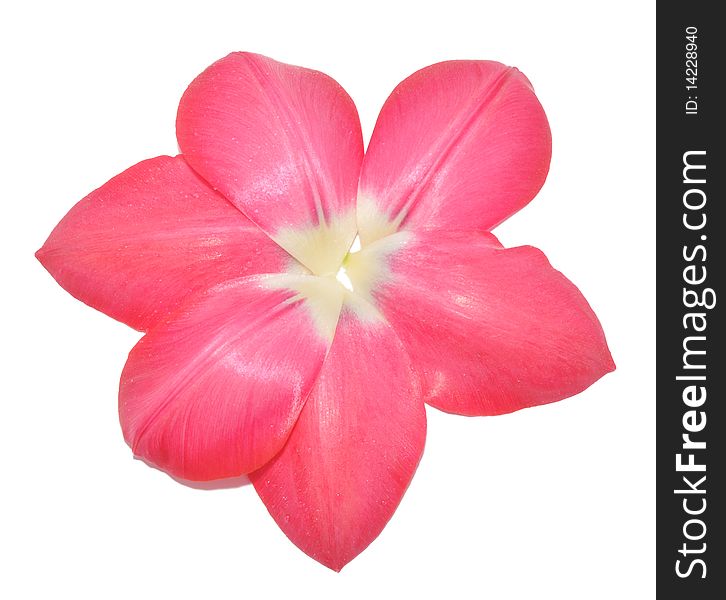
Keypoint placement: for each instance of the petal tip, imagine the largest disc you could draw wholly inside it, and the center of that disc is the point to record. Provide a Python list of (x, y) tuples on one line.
[(40, 255), (336, 559), (610, 365), (337, 566)]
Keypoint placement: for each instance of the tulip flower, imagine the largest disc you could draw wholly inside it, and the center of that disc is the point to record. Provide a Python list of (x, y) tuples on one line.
[(276, 348)]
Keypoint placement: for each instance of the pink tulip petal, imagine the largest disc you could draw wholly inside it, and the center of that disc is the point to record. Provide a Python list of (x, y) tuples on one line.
[(214, 391), (458, 145), (283, 144), (156, 233), (354, 449), (491, 330)]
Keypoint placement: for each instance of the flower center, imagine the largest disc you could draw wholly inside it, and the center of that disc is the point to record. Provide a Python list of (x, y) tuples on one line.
[(342, 277), (321, 248), (340, 280), (342, 274)]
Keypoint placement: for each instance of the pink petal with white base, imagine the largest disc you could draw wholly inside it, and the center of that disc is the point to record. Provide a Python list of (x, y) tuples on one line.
[(283, 144), (214, 392), (458, 145), (355, 447), (490, 330), (140, 244)]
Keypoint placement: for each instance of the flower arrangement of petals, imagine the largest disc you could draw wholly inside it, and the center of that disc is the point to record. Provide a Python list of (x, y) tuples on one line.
[(271, 347)]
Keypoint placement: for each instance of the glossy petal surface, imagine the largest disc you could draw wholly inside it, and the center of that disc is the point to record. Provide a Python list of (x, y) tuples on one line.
[(214, 391), (355, 447), (155, 234), (491, 330), (283, 144), (459, 145)]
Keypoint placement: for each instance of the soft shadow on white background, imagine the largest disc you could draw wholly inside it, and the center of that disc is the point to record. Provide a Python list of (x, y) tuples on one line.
[(216, 484)]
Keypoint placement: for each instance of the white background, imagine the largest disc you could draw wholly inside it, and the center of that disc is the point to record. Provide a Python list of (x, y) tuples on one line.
[(552, 502)]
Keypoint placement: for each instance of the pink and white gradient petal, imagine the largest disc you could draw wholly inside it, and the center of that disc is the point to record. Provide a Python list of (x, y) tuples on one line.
[(283, 144), (490, 330), (458, 145), (355, 447), (214, 391), (273, 351), (155, 234)]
